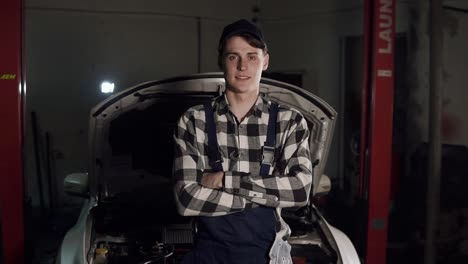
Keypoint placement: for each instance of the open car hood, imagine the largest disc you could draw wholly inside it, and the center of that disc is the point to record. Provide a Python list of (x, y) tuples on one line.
[(130, 133)]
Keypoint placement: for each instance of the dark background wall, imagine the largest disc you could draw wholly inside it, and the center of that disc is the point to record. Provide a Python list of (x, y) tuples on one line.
[(72, 46)]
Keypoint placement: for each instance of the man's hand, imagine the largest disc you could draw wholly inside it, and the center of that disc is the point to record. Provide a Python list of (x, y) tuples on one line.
[(213, 180)]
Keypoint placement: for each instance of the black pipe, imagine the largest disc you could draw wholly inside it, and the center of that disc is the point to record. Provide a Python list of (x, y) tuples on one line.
[(50, 179), (435, 106), (38, 160)]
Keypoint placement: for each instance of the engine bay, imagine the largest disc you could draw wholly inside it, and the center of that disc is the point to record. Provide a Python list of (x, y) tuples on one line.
[(136, 233), (125, 233), (165, 245)]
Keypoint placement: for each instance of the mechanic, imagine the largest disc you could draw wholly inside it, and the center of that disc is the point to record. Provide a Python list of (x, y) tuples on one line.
[(239, 159)]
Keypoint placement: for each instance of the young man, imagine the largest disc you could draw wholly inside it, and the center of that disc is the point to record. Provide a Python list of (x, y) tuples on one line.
[(239, 159)]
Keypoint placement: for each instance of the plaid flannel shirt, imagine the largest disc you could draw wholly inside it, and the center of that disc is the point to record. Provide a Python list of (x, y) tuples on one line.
[(240, 144)]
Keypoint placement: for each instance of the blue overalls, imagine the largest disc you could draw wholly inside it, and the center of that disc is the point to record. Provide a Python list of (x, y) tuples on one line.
[(244, 237)]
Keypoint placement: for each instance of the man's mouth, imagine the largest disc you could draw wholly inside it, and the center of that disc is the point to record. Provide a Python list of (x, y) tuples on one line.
[(242, 77)]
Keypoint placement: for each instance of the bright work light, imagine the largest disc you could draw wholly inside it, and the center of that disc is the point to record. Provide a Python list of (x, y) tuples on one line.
[(107, 87)]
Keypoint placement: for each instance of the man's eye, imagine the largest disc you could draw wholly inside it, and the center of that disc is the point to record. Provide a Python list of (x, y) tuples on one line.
[(231, 57), (252, 57)]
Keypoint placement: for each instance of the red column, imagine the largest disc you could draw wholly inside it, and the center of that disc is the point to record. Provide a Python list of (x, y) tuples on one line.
[(11, 132), (377, 123)]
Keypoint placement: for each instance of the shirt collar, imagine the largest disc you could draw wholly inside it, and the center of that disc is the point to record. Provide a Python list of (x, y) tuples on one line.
[(260, 106)]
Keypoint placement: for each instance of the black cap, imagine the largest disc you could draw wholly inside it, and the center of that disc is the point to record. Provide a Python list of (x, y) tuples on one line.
[(239, 27)]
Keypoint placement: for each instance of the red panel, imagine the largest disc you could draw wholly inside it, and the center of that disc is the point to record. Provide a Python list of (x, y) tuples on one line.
[(380, 128), (11, 134)]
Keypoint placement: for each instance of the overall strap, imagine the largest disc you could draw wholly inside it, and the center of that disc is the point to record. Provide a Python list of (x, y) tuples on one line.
[(214, 157), (268, 149)]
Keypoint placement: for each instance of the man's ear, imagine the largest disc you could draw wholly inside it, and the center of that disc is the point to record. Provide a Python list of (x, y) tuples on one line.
[(266, 61)]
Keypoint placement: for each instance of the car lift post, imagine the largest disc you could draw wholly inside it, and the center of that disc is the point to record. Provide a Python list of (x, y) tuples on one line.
[(12, 87), (376, 123)]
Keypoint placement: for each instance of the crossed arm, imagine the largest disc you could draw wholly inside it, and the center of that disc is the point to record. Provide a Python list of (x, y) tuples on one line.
[(199, 192)]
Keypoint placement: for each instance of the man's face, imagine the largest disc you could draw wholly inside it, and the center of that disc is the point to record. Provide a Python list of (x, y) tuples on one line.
[(243, 66)]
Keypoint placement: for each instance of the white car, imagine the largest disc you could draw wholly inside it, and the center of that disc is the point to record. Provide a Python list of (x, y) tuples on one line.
[(129, 215)]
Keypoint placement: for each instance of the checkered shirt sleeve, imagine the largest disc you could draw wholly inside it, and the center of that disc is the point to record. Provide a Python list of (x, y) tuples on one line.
[(287, 185)]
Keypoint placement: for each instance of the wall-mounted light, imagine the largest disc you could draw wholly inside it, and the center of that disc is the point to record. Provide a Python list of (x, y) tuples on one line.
[(107, 87)]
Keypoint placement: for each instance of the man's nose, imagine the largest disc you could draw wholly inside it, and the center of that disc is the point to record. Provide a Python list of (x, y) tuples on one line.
[(242, 65)]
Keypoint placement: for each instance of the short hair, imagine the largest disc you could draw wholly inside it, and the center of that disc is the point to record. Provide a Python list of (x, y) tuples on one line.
[(249, 38)]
